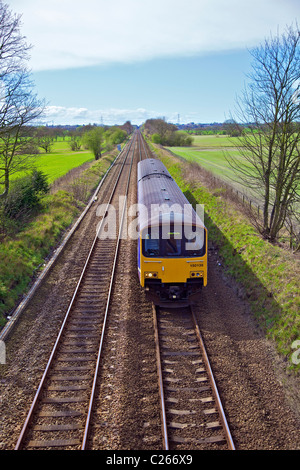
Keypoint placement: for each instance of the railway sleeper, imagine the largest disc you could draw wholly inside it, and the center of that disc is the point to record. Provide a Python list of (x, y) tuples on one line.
[(54, 443), (207, 440), (57, 427)]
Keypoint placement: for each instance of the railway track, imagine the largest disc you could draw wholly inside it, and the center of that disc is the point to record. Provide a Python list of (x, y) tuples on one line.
[(144, 151), (60, 414), (191, 411), (101, 191)]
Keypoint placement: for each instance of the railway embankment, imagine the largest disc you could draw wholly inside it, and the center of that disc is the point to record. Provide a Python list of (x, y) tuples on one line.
[(23, 254), (264, 275)]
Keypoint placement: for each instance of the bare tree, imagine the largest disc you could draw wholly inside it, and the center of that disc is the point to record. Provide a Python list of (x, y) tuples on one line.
[(45, 138), (19, 106), (13, 47), (271, 146)]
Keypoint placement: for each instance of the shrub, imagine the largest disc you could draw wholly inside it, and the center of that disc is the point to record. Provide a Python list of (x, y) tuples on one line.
[(25, 194), (156, 138)]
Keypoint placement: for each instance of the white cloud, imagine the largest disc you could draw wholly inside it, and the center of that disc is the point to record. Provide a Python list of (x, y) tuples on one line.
[(72, 33), (60, 115)]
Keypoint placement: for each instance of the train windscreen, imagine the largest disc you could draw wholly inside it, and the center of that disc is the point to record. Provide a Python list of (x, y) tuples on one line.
[(172, 244)]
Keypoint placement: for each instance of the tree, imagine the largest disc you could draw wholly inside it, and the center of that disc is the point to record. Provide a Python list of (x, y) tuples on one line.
[(161, 127), (164, 133), (271, 146), (75, 142), (232, 128), (94, 140), (180, 139), (13, 46), (18, 108), (18, 104), (116, 135), (45, 138), (156, 138), (127, 127)]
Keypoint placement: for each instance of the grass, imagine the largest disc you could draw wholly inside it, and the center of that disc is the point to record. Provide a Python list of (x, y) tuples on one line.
[(268, 275), (55, 165), (60, 161), (210, 153), (213, 141), (22, 254), (212, 160)]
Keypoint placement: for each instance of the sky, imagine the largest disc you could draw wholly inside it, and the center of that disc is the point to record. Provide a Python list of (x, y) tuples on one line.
[(109, 61)]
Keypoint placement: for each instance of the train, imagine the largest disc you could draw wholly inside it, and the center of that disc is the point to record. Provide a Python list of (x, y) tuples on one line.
[(172, 239)]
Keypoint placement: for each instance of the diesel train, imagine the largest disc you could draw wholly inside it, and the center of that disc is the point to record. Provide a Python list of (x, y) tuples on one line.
[(172, 239)]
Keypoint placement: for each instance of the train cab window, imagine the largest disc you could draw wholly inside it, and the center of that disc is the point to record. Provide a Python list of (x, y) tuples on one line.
[(154, 244), (150, 246), (195, 243), (172, 247)]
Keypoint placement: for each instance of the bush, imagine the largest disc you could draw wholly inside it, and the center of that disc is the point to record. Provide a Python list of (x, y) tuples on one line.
[(118, 136), (75, 143), (180, 139), (156, 138), (25, 195), (22, 256), (173, 139)]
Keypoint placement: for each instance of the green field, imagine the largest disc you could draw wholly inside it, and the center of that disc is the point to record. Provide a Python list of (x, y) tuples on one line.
[(214, 141), (56, 165), (59, 161), (210, 153), (212, 160)]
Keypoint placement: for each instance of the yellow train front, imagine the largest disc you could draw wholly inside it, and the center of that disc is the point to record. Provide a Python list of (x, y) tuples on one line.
[(172, 243)]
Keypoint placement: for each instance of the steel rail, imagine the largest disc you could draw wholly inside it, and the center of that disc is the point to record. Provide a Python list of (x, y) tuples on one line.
[(91, 402), (53, 352), (214, 386), (139, 145), (160, 383), (7, 329), (145, 150)]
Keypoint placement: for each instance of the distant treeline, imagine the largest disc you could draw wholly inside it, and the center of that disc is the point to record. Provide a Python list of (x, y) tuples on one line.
[(103, 137), (229, 127), (62, 132)]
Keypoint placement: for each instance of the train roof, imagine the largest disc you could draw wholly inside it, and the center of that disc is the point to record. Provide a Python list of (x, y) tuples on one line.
[(152, 167), (160, 196)]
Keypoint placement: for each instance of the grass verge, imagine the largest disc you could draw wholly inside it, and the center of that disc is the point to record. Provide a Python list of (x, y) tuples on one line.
[(268, 275), (22, 255)]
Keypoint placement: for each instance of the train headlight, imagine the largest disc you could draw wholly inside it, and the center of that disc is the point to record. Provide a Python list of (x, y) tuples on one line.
[(151, 275), (195, 274)]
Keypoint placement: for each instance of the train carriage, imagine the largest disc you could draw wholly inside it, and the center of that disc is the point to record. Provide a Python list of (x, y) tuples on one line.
[(172, 243)]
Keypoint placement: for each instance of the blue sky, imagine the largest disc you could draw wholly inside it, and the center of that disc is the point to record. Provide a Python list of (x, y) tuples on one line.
[(117, 60)]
